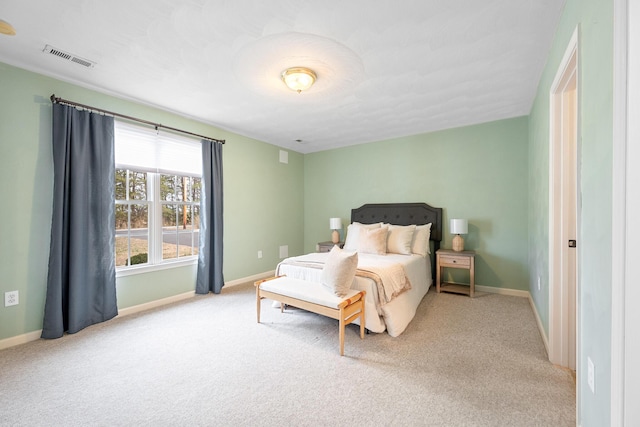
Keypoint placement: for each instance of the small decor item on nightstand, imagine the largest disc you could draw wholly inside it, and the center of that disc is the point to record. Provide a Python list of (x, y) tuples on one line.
[(458, 227), (335, 224)]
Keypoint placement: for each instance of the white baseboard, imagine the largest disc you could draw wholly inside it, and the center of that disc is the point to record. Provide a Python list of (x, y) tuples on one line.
[(253, 278), (20, 339), (35, 335), (153, 304), (543, 334), (175, 298), (502, 291)]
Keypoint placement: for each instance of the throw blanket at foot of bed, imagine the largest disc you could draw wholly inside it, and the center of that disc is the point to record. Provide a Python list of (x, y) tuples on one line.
[(389, 276), (314, 297)]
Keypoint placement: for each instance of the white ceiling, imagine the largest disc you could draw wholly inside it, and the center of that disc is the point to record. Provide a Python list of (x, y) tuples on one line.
[(385, 68)]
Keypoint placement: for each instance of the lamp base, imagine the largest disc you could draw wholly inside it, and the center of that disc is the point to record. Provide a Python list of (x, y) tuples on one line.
[(335, 236), (458, 243)]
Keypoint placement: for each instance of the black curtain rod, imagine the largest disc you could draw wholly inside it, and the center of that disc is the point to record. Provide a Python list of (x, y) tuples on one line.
[(56, 100)]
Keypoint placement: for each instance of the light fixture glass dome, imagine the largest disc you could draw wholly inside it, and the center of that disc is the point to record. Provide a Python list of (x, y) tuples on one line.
[(298, 78)]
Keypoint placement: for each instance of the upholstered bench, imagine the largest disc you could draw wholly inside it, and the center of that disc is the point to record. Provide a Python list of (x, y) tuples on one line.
[(314, 297)]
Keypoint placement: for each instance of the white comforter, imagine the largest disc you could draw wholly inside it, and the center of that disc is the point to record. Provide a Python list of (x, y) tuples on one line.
[(381, 311)]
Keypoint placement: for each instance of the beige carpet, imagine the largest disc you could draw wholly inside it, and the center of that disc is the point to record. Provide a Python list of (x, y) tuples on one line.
[(205, 361)]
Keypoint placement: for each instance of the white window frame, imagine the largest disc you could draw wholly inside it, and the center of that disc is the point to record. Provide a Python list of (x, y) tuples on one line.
[(155, 262), (155, 229)]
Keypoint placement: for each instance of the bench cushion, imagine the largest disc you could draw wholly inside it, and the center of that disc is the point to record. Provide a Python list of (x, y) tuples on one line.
[(312, 292)]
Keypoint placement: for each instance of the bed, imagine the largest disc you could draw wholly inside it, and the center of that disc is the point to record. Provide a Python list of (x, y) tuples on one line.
[(388, 308)]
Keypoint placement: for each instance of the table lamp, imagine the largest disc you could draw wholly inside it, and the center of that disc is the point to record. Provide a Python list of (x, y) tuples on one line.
[(335, 224), (458, 227)]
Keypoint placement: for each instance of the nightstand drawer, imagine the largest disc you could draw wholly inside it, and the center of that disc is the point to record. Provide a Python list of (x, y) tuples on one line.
[(454, 261)]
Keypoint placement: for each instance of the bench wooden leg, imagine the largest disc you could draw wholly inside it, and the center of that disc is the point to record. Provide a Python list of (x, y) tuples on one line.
[(341, 333), (362, 321), (258, 303)]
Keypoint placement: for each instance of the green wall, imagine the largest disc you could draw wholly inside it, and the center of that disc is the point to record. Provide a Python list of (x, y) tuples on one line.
[(263, 199), (476, 172), (594, 18)]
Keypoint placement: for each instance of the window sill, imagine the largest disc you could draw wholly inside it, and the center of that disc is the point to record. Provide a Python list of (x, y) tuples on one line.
[(131, 271)]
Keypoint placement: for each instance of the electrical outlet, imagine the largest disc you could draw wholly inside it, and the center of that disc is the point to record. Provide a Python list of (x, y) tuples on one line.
[(591, 375), (259, 254), (11, 298), (538, 282)]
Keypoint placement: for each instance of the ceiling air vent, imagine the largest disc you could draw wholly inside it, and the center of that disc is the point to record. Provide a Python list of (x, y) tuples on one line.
[(68, 56)]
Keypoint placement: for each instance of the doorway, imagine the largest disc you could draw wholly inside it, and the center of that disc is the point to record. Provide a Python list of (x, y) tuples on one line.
[(564, 211)]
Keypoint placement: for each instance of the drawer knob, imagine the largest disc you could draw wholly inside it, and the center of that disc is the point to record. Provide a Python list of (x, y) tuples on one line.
[(455, 260)]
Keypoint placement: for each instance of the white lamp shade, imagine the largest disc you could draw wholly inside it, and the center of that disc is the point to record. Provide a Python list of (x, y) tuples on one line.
[(335, 223), (458, 226)]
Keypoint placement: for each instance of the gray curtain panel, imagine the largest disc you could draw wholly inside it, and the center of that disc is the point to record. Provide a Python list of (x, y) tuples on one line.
[(210, 278), (81, 285)]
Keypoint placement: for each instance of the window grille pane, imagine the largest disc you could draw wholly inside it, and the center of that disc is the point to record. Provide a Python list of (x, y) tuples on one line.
[(122, 217), (196, 228), (122, 235), (132, 234), (169, 215), (169, 245), (121, 184), (137, 185), (185, 244), (122, 250), (168, 188), (139, 234), (196, 189), (181, 186), (196, 218), (139, 219)]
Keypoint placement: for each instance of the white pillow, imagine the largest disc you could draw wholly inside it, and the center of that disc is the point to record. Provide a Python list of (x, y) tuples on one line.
[(400, 238), (420, 243), (339, 271), (373, 241), (353, 233)]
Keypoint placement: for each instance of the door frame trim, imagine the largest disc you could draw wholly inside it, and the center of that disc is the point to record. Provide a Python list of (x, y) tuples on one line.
[(558, 336)]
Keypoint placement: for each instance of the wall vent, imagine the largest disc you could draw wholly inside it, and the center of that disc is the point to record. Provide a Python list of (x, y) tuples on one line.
[(68, 56)]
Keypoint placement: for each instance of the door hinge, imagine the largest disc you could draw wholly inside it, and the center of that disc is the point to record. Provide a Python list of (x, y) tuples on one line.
[(572, 243)]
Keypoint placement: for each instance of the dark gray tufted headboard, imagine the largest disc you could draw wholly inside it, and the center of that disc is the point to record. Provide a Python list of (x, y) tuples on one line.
[(403, 214)]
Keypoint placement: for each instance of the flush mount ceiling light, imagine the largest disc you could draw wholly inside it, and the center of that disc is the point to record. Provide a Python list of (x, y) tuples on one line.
[(298, 78), (6, 28)]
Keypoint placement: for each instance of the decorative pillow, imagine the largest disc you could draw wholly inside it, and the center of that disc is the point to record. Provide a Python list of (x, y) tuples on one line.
[(400, 238), (353, 233), (420, 243), (373, 241), (339, 270)]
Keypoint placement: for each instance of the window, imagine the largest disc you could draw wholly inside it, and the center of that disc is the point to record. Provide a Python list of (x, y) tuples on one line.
[(180, 204), (157, 191), (132, 218)]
